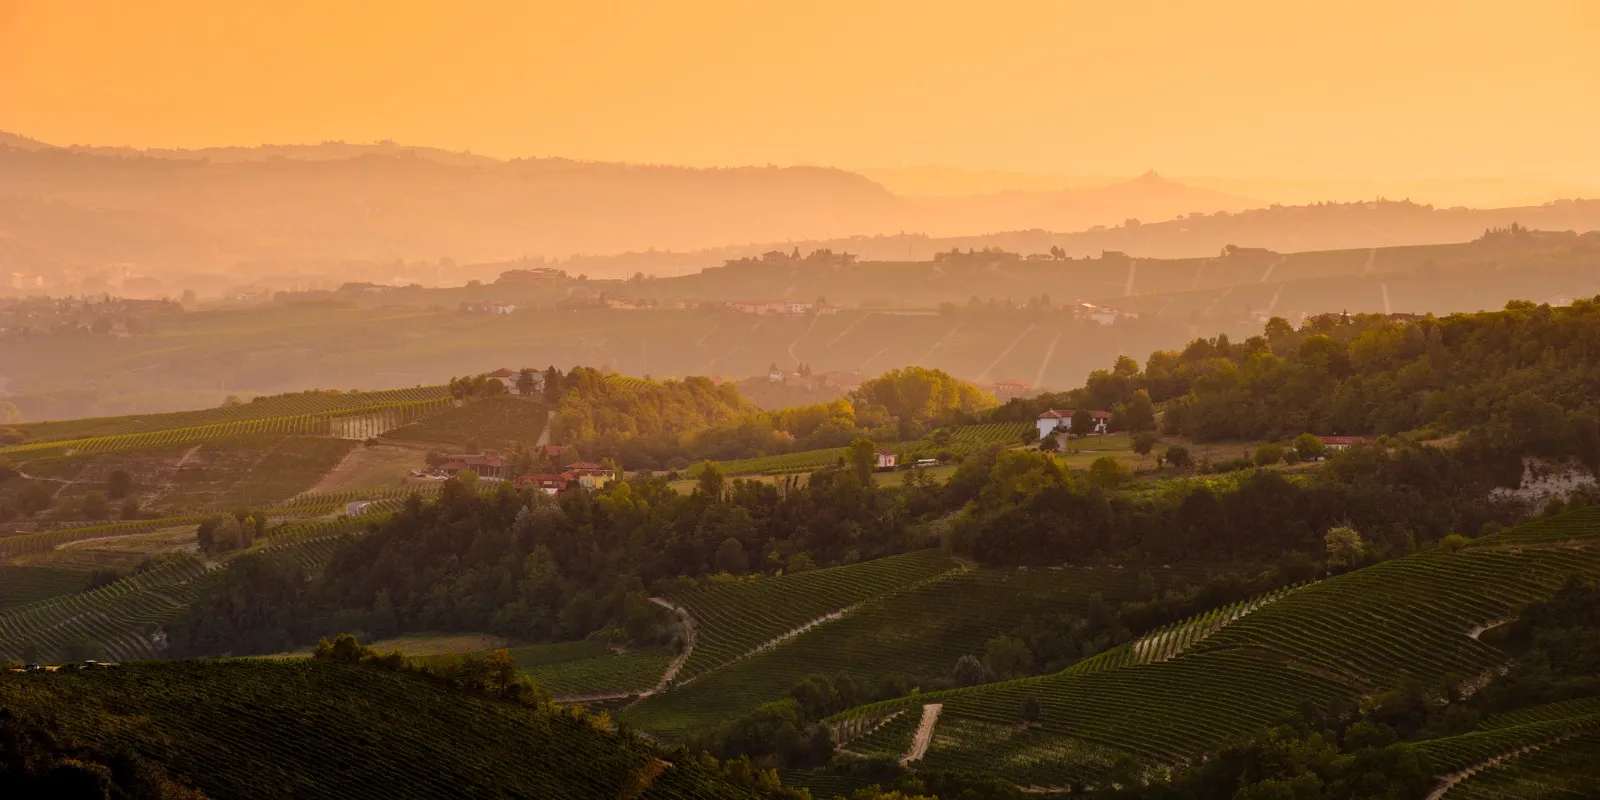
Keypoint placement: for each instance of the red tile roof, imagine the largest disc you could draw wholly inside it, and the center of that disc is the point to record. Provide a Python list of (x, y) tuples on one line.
[(1344, 440)]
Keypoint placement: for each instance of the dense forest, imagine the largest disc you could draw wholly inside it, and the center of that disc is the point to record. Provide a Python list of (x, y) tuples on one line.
[(1529, 374)]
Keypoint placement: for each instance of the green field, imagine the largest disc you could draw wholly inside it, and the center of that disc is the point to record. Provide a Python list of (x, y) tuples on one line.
[(274, 728), (112, 622), (491, 422)]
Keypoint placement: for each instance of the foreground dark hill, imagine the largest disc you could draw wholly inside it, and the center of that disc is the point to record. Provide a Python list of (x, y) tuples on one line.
[(313, 729)]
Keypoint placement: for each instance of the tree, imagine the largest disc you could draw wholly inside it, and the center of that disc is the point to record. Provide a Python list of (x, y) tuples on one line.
[(384, 623), (95, 506), (1139, 413), (1082, 422), (433, 459), (526, 383), (731, 557), (1345, 548), (1178, 456), (1144, 441), (862, 458), (711, 482), (969, 671), (1050, 444), (1031, 710), (1108, 473), (552, 387), (1007, 657), (130, 508), (1268, 454), (118, 484), (1308, 446)]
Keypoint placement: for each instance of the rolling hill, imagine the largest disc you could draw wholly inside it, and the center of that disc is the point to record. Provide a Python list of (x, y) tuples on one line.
[(314, 729)]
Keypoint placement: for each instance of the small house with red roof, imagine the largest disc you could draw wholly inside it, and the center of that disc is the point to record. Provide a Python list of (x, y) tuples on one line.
[(548, 482)]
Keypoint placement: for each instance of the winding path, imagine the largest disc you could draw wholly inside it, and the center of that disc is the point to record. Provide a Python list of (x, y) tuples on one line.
[(919, 745)]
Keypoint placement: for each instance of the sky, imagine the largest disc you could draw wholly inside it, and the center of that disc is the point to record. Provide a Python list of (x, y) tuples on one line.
[(1244, 88)]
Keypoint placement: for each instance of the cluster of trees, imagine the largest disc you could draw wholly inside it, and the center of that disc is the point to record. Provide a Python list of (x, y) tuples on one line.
[(1370, 374), (531, 567), (229, 532), (35, 761), (676, 423), (475, 386)]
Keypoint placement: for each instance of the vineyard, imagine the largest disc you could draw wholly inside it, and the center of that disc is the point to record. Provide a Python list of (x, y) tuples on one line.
[(20, 585), (1564, 767), (300, 404), (1405, 619), (114, 621), (491, 422), (274, 728), (917, 632), (1007, 433), (1582, 524), (627, 384), (357, 423), (12, 546), (733, 619), (605, 673)]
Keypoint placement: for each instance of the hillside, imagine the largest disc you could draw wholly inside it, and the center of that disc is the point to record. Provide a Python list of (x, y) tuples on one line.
[(313, 729)]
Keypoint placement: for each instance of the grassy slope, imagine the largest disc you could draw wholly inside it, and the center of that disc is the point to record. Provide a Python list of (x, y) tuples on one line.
[(308, 729)]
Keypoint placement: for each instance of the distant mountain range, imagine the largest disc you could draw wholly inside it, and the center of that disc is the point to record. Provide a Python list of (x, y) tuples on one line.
[(215, 207), (79, 219)]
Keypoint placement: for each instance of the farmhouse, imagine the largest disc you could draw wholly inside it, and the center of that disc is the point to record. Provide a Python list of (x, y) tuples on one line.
[(547, 482), (1337, 443), (590, 475), (506, 377), (1059, 420), (886, 460), (486, 465)]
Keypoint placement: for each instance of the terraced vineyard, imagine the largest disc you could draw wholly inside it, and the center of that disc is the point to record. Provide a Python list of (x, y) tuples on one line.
[(1455, 753), (1337, 639), (918, 632), (1565, 768), (1581, 524), (22, 544), (493, 421), (990, 433), (1408, 618), (284, 405), (592, 670), (733, 619), (274, 728), (1162, 712), (20, 585), (347, 423), (318, 504), (115, 620)]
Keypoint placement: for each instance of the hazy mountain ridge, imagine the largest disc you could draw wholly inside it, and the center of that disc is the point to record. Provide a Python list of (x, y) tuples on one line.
[(384, 201)]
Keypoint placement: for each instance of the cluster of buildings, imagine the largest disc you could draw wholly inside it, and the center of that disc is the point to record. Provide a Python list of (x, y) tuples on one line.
[(789, 307), (118, 318), (495, 467), (847, 380)]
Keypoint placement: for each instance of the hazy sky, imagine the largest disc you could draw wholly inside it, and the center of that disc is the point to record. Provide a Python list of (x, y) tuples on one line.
[(1255, 88)]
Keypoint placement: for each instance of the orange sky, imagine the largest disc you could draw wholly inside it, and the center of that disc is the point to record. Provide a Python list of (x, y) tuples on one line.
[(1257, 88)]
